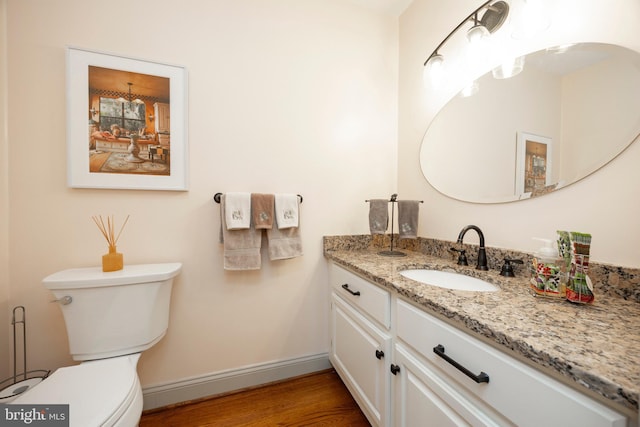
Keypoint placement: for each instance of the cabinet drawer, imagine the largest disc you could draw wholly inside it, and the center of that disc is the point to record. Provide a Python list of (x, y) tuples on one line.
[(369, 298), (522, 394)]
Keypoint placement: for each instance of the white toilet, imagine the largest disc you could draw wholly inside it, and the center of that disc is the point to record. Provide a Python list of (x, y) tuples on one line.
[(111, 318)]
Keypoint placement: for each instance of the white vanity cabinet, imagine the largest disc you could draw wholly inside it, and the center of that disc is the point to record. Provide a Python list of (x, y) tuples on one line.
[(435, 374), (476, 380), (361, 343)]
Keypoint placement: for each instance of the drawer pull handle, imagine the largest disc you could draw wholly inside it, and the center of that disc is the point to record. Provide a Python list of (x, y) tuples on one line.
[(379, 354), (395, 369), (346, 288), (480, 378)]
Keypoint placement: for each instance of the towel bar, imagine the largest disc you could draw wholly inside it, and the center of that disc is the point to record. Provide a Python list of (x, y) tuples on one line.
[(394, 199), (216, 197)]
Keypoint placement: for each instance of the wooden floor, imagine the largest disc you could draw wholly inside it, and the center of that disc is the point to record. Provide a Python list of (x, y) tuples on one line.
[(319, 399)]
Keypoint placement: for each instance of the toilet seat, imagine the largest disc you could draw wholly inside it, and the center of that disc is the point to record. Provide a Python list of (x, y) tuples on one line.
[(103, 392)]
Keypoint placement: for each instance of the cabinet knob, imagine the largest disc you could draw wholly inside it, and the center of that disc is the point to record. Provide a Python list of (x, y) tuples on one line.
[(395, 369), (379, 354)]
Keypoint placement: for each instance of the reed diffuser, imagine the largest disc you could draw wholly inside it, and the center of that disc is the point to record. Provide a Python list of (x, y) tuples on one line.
[(112, 261)]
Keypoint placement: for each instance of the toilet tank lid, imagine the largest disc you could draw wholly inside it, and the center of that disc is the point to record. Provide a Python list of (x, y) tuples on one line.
[(95, 277)]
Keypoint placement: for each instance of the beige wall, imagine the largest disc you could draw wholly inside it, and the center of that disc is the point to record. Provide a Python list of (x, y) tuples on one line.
[(603, 204), (4, 207), (597, 91), (284, 96)]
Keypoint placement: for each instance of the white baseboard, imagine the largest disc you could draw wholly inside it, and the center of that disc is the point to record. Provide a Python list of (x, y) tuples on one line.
[(157, 396)]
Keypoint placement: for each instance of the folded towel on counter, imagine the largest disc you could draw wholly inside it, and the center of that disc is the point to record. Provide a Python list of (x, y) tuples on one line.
[(378, 216), (286, 206), (408, 219), (284, 243), (237, 211), (241, 247), (262, 208)]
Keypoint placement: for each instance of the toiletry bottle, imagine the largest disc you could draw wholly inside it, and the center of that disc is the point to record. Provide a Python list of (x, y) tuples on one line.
[(548, 276)]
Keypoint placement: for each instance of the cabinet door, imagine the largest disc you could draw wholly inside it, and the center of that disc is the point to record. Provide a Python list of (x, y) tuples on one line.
[(162, 117), (423, 398), (358, 353)]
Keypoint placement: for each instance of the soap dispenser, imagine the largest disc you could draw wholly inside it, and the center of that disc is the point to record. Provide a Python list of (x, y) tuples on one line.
[(548, 274)]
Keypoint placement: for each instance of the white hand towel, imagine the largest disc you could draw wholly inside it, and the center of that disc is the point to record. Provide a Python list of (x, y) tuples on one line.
[(287, 213), (237, 212)]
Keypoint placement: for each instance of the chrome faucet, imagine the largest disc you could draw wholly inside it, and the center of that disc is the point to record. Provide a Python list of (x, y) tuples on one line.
[(482, 253)]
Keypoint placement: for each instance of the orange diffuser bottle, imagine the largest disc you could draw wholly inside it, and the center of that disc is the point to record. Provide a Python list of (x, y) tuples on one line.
[(112, 261)]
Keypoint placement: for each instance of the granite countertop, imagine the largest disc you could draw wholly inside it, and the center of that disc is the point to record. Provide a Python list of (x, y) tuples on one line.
[(595, 346)]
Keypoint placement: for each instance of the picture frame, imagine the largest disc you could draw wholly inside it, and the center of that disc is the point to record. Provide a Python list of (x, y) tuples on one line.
[(533, 164), (126, 122)]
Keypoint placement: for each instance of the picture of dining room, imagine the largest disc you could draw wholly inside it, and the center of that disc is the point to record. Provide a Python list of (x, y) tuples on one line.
[(129, 122), (536, 165)]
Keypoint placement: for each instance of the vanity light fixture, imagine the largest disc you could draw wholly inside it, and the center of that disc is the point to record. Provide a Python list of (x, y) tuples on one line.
[(495, 13)]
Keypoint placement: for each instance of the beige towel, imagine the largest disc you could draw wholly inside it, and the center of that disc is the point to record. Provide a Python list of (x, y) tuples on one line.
[(262, 210), (378, 216), (241, 247), (284, 243), (408, 219)]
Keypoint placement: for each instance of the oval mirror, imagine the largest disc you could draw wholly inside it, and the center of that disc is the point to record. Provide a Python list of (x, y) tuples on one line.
[(567, 114)]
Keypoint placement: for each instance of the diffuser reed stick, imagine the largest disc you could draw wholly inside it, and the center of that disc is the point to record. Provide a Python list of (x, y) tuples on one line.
[(108, 230), (112, 261)]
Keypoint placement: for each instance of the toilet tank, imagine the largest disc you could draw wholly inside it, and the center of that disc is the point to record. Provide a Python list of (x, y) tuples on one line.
[(114, 313)]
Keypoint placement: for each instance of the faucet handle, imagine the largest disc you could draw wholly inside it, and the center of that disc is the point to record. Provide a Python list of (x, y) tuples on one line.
[(462, 256), (507, 268)]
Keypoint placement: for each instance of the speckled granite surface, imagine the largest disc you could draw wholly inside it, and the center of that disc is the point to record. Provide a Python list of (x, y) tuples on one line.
[(596, 346)]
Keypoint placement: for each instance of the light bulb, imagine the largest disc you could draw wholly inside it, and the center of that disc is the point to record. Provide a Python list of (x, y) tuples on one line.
[(433, 70), (477, 33)]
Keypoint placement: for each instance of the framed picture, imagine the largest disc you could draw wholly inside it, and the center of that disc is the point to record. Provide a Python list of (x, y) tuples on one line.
[(126, 123), (533, 163)]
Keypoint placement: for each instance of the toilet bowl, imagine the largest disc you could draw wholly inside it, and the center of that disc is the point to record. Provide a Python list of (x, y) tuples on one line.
[(99, 393), (110, 318)]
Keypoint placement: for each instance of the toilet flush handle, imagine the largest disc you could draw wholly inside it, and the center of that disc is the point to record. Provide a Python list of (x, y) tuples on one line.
[(66, 300)]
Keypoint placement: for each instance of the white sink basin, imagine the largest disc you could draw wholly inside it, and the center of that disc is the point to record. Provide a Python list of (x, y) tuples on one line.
[(449, 280)]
